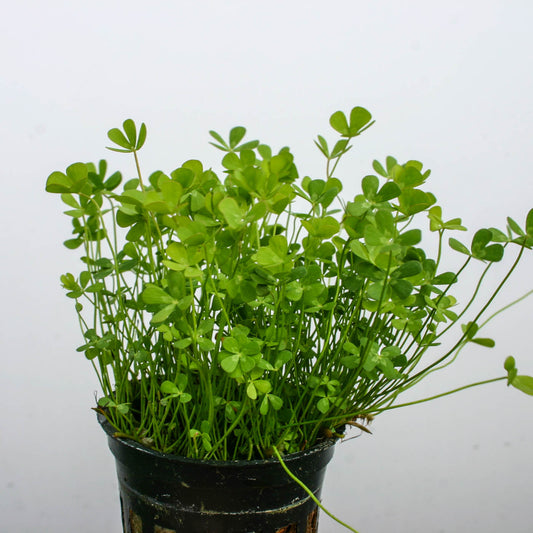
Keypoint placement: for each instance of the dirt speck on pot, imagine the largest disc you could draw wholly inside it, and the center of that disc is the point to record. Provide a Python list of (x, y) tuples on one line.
[(136, 523), (159, 529)]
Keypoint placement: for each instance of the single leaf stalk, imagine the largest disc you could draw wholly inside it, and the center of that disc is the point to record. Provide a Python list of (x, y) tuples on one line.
[(309, 491)]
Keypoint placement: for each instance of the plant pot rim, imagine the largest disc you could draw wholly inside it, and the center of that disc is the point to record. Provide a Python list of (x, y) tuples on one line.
[(134, 445)]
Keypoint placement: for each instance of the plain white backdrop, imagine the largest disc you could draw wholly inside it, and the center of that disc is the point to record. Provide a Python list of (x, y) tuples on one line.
[(449, 83)]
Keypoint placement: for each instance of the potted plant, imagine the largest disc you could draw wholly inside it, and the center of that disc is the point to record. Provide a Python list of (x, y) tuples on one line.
[(246, 321)]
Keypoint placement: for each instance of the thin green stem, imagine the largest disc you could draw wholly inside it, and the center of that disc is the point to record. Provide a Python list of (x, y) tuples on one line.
[(309, 491), (430, 398)]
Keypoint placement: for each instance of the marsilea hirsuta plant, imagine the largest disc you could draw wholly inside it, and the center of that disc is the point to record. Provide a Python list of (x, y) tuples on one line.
[(230, 315)]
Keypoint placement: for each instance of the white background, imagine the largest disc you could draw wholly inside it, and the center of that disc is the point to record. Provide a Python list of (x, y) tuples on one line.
[(449, 83)]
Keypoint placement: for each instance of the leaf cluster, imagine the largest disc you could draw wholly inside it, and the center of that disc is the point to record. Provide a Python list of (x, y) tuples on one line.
[(227, 315)]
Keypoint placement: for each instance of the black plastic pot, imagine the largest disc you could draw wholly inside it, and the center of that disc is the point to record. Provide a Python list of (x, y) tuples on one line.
[(169, 494)]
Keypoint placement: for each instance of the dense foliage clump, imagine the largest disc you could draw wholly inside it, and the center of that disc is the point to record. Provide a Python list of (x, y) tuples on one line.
[(228, 316)]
